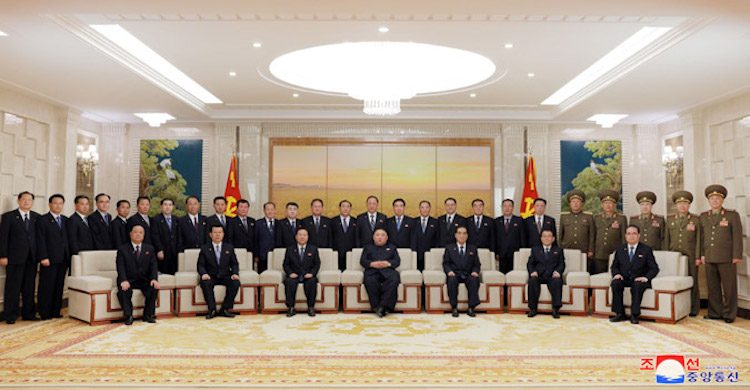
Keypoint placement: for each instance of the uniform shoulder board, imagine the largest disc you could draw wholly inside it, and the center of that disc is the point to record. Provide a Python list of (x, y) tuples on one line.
[(704, 213), (730, 210), (671, 215), (588, 213), (635, 217), (658, 216), (694, 215), (565, 213)]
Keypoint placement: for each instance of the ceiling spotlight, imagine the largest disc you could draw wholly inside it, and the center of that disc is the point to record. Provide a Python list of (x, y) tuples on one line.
[(257, 45), (295, 95), (606, 120), (233, 74), (3, 34), (384, 29), (155, 119), (508, 45), (531, 75), (473, 95)]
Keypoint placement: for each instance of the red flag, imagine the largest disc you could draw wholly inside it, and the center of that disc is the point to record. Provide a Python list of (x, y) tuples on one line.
[(529, 190), (232, 192)]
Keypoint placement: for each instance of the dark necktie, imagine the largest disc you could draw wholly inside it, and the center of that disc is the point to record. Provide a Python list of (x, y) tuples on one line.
[(317, 223), (507, 224), (106, 219), (632, 253), (372, 222), (302, 254), (145, 219), (294, 226), (195, 224), (424, 224), (217, 250), (346, 225), (398, 224), (138, 253), (244, 223), (85, 221), (462, 255), (26, 222), (271, 228), (59, 222), (546, 253), (223, 222), (448, 220), (169, 222), (539, 225)]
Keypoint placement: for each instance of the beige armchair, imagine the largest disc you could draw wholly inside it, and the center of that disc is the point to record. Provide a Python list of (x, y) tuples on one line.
[(668, 299), (356, 299), (491, 284), (575, 298), (273, 293), (92, 290), (190, 300)]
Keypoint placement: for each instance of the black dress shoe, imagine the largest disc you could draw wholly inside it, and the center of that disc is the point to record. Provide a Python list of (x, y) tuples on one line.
[(10, 322), (226, 313), (32, 319), (291, 312), (46, 318), (633, 319), (454, 312), (729, 320), (311, 311), (712, 318), (619, 317), (471, 312), (211, 314), (532, 313), (129, 320), (58, 316), (149, 319), (555, 313), (380, 312), (693, 314)]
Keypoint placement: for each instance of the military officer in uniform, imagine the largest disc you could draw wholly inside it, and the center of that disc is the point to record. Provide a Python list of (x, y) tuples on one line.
[(721, 231), (652, 226), (577, 226), (683, 235), (610, 231)]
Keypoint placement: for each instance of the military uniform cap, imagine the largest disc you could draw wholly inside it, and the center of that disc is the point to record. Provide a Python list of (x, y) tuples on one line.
[(609, 195), (682, 196), (572, 194), (716, 189), (646, 196)]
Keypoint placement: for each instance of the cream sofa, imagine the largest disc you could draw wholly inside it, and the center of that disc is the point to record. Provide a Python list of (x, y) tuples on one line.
[(273, 291), (668, 299), (92, 290), (491, 284), (190, 300), (356, 299), (575, 289)]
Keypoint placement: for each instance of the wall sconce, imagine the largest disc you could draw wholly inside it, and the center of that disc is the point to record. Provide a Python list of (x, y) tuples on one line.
[(88, 159), (672, 162)]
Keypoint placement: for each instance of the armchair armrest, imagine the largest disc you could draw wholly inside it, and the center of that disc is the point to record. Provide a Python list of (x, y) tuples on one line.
[(352, 277), (411, 277), (90, 283), (249, 277), (517, 277), (672, 283), (329, 277), (603, 279), (271, 276), (492, 277), (434, 277), (187, 278), (578, 279)]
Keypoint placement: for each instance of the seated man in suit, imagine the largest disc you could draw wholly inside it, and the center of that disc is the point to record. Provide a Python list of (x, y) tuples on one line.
[(381, 280), (426, 235), (120, 224), (546, 265), (301, 265), (217, 264), (137, 268), (461, 264), (634, 266)]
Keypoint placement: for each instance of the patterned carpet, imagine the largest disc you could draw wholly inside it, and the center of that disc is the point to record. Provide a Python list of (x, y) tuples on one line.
[(360, 350)]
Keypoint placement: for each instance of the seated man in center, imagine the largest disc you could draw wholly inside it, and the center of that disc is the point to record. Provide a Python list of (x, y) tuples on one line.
[(461, 264), (381, 279), (546, 265), (634, 266), (301, 264), (217, 264)]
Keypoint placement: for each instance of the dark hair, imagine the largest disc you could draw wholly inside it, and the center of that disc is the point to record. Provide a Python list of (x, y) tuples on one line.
[(317, 200), (450, 198), (56, 196), (637, 228), (298, 229), (477, 200), (509, 200), (291, 204), (345, 201), (243, 201), (24, 193), (192, 197), (546, 229), (540, 200), (218, 225), (96, 198), (426, 201), (462, 227), (399, 200), (135, 225), (166, 199), (267, 203), (372, 197), (77, 198), (121, 201), (220, 198), (380, 228), (137, 201)]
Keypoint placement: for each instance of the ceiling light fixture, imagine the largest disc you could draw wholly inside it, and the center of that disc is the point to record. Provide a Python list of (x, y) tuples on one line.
[(617, 56), (530, 75), (295, 95), (155, 119), (257, 45), (508, 45), (233, 74), (382, 73), (128, 42), (606, 121), (3, 34), (384, 29), (473, 95)]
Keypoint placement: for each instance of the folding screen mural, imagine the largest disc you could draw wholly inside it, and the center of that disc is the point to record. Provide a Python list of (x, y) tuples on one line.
[(170, 169), (590, 166), (332, 170)]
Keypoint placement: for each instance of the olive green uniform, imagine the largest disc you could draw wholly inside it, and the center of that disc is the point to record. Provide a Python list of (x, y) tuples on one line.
[(722, 241), (683, 234), (610, 233), (653, 230)]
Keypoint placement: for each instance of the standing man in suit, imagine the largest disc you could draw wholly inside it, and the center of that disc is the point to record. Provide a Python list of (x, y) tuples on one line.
[(481, 227), (610, 231), (288, 226), (100, 223), (266, 235), (461, 265), (301, 264), (449, 222), (538, 222), (721, 251), (426, 233), (369, 221), (219, 218), (119, 229), (79, 233), (54, 256), (683, 235), (193, 233), (400, 228), (143, 205), (380, 260), (137, 268), (164, 236), (217, 264), (18, 253), (577, 226), (653, 227), (634, 266), (546, 265), (510, 235), (242, 228), (344, 232), (318, 226)]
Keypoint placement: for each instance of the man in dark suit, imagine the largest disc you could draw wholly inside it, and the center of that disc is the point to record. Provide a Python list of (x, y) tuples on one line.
[(164, 235), (538, 222), (217, 265), (266, 235), (220, 218), (79, 233), (54, 256), (344, 232), (100, 223), (426, 235), (381, 279), (318, 226), (137, 268), (461, 265), (634, 266), (143, 205), (546, 265), (120, 224), (194, 232), (242, 228), (368, 222), (301, 264), (18, 253), (288, 226), (510, 235), (400, 228), (449, 222), (481, 227)]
